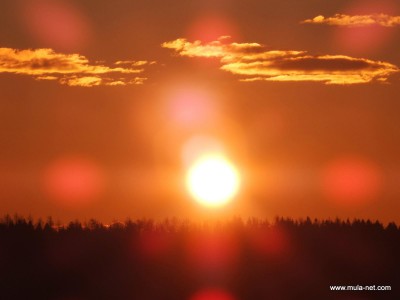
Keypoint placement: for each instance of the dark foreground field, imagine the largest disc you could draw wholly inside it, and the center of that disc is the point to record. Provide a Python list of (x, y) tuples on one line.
[(234, 260)]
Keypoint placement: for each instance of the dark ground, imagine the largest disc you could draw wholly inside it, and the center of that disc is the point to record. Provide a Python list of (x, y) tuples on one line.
[(234, 260)]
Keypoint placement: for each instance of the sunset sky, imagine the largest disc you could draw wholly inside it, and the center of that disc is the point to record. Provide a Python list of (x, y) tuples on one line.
[(104, 106)]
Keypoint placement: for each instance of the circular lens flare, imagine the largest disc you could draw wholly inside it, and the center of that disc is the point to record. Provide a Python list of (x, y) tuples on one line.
[(212, 180), (212, 294), (73, 181), (210, 27), (352, 181), (191, 107), (365, 39), (56, 24)]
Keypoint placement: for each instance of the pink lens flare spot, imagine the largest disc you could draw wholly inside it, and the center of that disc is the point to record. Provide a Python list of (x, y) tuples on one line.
[(73, 181), (56, 24), (352, 181), (368, 7), (362, 40), (270, 242), (191, 107), (153, 244), (212, 251), (370, 38), (210, 28), (212, 294)]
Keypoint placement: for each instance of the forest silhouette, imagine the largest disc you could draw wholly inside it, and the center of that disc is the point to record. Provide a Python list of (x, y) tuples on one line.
[(177, 259)]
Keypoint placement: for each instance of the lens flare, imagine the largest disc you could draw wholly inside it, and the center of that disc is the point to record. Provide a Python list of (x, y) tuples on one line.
[(352, 181), (365, 39), (212, 294), (56, 24), (191, 107), (209, 28), (153, 245), (73, 182), (269, 242), (212, 252)]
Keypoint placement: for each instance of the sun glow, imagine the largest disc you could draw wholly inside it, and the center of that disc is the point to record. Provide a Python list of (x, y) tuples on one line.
[(212, 180)]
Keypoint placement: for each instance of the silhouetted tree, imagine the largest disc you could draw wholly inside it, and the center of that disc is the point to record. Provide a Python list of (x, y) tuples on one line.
[(173, 259)]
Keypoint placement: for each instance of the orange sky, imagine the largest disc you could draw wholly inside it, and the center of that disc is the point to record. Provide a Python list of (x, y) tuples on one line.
[(98, 101)]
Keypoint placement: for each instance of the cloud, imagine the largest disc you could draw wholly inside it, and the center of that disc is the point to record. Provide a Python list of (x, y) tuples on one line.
[(356, 20), (133, 63), (254, 62), (68, 69), (90, 81)]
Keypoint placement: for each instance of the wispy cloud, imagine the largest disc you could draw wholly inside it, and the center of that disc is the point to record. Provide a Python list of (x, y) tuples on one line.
[(356, 20), (254, 62), (89, 81), (133, 63), (68, 69)]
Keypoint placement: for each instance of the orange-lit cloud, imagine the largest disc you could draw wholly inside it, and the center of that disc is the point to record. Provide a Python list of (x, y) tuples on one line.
[(356, 20), (254, 62), (68, 69), (134, 63)]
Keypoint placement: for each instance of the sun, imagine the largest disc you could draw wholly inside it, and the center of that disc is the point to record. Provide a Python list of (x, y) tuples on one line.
[(212, 180)]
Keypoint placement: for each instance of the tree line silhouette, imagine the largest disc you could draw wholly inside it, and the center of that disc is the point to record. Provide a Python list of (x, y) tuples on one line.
[(177, 259)]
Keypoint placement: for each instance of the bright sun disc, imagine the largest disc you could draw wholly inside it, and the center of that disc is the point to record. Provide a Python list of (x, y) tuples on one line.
[(212, 180)]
